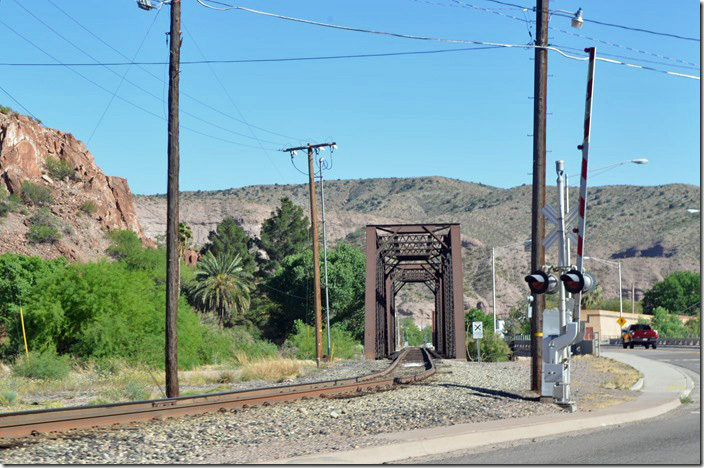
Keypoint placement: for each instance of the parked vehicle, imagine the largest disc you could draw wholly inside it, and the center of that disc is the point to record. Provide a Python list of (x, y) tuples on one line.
[(640, 334)]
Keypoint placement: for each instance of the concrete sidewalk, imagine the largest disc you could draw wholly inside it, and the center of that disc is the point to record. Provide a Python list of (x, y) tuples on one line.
[(663, 385)]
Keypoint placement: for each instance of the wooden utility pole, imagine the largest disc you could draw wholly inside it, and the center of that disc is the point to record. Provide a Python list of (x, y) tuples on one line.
[(316, 250), (537, 257), (172, 253)]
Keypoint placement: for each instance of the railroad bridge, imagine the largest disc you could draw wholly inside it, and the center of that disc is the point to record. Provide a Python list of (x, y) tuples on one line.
[(413, 253)]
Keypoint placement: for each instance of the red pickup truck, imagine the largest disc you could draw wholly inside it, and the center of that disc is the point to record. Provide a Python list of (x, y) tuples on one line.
[(640, 334)]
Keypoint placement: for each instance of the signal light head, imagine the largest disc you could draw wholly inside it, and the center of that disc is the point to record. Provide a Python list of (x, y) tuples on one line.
[(540, 282), (576, 282)]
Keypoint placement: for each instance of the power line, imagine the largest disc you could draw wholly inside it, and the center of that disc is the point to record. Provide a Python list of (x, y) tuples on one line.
[(163, 81), (233, 102), (120, 97), (190, 114), (283, 59), (425, 38), (602, 23), (112, 98), (574, 49), (462, 4), (17, 102)]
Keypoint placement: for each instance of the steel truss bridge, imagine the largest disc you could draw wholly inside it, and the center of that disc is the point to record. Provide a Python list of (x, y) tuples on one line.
[(414, 253)]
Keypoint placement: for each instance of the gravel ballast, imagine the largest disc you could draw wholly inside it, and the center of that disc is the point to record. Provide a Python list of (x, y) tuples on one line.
[(460, 392)]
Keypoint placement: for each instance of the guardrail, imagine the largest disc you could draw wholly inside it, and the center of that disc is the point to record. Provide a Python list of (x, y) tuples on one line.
[(685, 342)]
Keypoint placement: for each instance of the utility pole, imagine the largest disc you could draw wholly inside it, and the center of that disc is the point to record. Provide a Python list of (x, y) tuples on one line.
[(322, 165), (316, 251), (537, 257), (172, 254)]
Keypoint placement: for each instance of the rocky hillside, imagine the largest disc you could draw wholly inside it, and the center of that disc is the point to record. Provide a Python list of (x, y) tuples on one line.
[(83, 205), (646, 228)]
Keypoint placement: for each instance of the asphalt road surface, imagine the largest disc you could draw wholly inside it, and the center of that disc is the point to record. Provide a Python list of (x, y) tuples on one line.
[(673, 438)]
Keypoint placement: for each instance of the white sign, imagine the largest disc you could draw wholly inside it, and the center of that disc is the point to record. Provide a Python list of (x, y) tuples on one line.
[(477, 331)]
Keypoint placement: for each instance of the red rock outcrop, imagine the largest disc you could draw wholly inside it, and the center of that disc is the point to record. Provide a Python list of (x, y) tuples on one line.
[(25, 146)]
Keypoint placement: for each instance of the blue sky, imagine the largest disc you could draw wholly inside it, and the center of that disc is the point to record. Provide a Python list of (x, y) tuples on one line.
[(461, 114)]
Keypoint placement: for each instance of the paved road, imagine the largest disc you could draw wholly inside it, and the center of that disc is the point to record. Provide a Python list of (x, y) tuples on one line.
[(688, 358), (673, 438)]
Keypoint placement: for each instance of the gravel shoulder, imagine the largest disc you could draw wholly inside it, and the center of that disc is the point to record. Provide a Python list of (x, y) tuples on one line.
[(461, 392)]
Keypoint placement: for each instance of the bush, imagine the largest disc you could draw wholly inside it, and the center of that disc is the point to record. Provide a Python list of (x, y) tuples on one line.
[(46, 365), (40, 234), (302, 341), (45, 227), (492, 347), (7, 397), (8, 111), (88, 207), (37, 195), (59, 169)]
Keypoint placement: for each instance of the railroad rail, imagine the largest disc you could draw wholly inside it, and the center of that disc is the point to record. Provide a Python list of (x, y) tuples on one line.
[(411, 365)]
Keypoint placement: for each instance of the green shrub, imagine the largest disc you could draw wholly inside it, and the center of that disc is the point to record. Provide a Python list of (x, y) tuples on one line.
[(88, 207), (46, 365), (136, 391), (493, 348), (59, 169), (39, 234), (8, 111), (45, 227), (7, 397), (33, 194), (302, 342)]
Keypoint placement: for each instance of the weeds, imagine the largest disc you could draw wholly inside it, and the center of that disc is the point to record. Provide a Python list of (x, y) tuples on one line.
[(271, 369), (88, 207), (37, 195), (43, 366), (685, 400), (59, 169)]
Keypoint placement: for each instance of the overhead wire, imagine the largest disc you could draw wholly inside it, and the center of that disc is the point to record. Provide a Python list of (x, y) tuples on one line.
[(463, 4), (112, 98), (98, 85), (222, 86), (282, 59), (146, 91), (426, 38), (16, 101), (603, 23), (139, 65)]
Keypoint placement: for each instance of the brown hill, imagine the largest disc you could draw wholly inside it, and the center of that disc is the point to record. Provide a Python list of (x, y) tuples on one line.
[(84, 205), (647, 229)]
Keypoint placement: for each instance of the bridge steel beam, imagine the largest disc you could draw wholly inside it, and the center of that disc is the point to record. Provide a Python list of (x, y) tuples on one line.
[(413, 253)]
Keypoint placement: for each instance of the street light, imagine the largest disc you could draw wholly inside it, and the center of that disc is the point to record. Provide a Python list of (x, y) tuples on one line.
[(577, 20), (601, 170), (620, 289)]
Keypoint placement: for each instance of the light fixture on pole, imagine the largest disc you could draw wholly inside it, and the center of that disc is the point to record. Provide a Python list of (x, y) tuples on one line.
[(601, 170), (577, 17)]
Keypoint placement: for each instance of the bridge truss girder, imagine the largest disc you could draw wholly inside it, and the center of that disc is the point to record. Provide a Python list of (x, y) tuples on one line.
[(414, 253)]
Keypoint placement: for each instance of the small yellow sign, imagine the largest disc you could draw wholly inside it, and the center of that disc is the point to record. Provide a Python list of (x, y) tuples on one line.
[(621, 321)]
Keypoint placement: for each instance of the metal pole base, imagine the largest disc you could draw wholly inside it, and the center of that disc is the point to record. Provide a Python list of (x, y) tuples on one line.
[(570, 406)]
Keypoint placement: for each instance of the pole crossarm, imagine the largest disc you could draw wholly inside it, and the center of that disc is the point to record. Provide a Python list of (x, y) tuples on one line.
[(301, 148)]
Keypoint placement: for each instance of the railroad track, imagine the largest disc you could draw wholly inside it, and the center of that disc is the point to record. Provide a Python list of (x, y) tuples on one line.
[(411, 365)]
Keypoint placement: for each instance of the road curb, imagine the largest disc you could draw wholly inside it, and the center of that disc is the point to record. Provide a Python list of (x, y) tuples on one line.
[(638, 385), (437, 441)]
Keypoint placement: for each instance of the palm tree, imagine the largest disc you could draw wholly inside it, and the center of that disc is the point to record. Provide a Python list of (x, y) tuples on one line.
[(222, 287)]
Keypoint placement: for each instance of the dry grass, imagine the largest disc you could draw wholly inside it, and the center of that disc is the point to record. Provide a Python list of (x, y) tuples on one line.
[(620, 376), (273, 369)]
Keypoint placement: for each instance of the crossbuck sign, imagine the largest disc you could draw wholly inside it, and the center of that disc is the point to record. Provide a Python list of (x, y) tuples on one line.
[(477, 331)]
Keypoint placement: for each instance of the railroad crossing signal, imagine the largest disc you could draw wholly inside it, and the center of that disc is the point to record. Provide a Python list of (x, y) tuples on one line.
[(477, 330), (540, 282), (576, 282), (552, 216), (621, 321)]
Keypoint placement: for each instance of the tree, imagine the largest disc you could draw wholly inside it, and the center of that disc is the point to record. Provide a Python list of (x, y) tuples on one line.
[(229, 240), (185, 235), (291, 288), (222, 286), (286, 232), (592, 299), (679, 293), (667, 324)]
